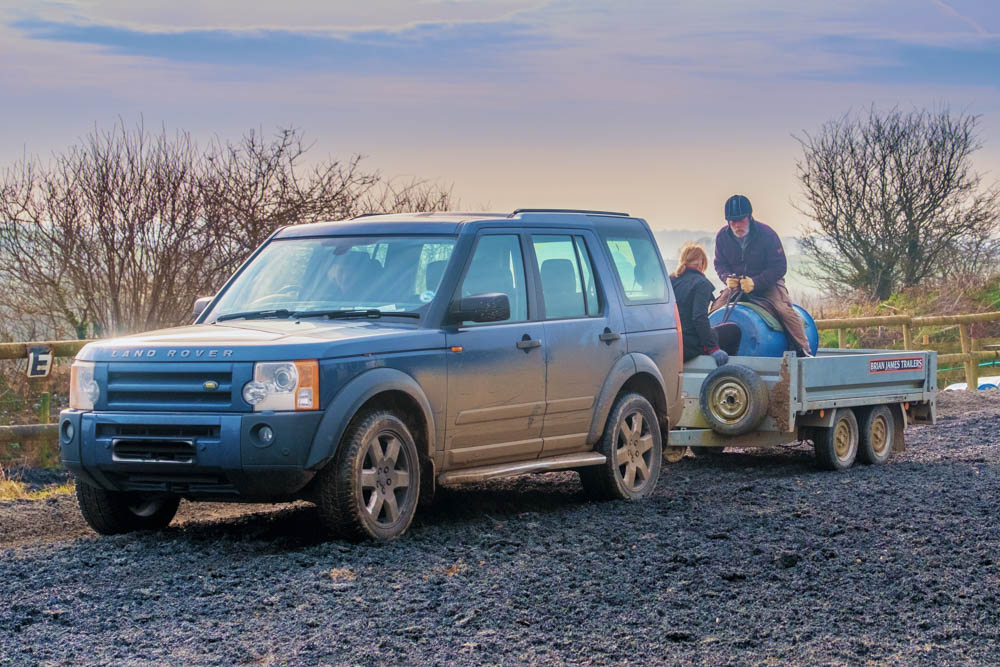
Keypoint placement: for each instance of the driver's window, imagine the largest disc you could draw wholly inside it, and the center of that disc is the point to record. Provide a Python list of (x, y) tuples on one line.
[(497, 266)]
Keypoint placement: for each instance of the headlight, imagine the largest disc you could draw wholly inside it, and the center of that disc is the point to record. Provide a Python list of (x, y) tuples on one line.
[(83, 389), (284, 385)]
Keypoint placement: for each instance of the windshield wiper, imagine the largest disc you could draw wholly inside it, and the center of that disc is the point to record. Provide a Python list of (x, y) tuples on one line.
[(255, 315), (370, 313)]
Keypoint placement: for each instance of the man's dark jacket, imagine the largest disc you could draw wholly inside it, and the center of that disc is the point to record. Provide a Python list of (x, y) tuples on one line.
[(762, 259), (694, 293)]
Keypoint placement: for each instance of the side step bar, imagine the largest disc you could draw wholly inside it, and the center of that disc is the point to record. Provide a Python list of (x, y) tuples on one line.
[(510, 469)]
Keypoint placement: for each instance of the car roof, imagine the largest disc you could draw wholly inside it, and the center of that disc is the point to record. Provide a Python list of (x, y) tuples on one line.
[(442, 222)]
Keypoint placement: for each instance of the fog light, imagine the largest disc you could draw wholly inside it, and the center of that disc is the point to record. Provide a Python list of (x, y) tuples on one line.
[(68, 431), (266, 434)]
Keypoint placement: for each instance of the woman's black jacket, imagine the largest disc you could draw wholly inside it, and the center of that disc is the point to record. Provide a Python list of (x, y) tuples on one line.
[(694, 294)]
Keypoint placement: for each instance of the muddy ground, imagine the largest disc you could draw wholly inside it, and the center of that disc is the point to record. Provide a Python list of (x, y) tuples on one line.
[(748, 557)]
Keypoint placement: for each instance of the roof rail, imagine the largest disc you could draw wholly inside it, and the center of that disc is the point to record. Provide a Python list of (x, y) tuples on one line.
[(366, 215), (568, 210)]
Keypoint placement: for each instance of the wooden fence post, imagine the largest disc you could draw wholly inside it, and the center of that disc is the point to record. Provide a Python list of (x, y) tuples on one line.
[(907, 339), (841, 339), (43, 408), (971, 365)]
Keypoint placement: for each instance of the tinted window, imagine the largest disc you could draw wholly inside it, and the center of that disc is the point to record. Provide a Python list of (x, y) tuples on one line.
[(497, 266), (638, 266), (589, 284), (566, 276)]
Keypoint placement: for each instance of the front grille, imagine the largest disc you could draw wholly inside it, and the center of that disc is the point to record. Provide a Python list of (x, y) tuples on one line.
[(158, 431), (194, 387), (144, 450)]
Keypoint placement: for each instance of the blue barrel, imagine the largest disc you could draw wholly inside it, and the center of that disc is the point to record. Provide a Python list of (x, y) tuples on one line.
[(759, 339)]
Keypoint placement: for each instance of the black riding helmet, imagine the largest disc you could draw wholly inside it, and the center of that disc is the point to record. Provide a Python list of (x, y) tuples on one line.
[(738, 207)]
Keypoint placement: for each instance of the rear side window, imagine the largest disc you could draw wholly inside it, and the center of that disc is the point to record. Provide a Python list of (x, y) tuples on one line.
[(638, 265), (567, 276)]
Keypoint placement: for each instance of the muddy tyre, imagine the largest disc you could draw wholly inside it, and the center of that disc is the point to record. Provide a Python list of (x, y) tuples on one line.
[(877, 429), (371, 488), (733, 399), (836, 447), (114, 512), (633, 446)]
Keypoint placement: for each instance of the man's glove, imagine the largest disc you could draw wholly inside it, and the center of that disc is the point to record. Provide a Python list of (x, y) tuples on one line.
[(720, 356), (746, 284), (732, 282)]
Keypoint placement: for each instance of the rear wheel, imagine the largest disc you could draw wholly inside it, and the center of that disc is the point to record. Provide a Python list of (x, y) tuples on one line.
[(877, 428), (115, 512), (836, 447), (370, 489), (633, 447)]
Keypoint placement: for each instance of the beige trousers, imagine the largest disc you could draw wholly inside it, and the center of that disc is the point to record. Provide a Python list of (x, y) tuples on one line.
[(778, 296)]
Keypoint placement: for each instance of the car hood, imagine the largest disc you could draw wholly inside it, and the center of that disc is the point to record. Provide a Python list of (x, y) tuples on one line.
[(265, 340)]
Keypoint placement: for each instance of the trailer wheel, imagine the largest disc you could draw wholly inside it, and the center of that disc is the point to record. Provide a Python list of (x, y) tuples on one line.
[(877, 429), (633, 448), (673, 454), (837, 446), (733, 399), (115, 512)]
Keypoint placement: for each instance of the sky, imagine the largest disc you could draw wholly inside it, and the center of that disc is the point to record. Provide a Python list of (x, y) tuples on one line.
[(661, 108)]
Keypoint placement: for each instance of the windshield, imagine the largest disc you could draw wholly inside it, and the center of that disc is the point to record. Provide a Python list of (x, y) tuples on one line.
[(385, 274)]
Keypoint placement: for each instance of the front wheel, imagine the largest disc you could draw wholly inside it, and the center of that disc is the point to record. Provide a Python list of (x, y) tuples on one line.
[(370, 489), (115, 512), (633, 447)]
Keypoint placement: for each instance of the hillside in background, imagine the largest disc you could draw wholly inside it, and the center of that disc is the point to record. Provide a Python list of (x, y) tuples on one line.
[(671, 240)]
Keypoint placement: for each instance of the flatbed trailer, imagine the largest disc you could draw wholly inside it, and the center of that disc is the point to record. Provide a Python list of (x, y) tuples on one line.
[(832, 399)]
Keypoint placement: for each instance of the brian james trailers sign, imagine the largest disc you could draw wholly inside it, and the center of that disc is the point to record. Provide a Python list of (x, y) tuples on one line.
[(895, 365)]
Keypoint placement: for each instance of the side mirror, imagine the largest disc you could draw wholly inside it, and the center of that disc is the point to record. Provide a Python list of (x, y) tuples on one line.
[(200, 304), (492, 307)]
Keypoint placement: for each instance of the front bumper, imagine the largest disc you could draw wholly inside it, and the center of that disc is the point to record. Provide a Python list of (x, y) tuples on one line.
[(191, 455)]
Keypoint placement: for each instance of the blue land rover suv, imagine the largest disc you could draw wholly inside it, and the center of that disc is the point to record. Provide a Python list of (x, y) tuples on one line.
[(358, 364)]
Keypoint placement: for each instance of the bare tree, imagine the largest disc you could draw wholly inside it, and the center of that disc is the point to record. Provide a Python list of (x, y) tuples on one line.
[(894, 200), (122, 232)]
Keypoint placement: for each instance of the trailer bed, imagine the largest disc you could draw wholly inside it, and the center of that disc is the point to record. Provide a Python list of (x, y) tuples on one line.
[(804, 392)]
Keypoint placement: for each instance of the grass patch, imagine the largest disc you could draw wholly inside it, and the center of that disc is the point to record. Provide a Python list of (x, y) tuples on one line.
[(13, 489)]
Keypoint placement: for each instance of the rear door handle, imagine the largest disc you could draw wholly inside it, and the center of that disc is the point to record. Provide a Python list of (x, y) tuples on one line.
[(609, 336), (528, 343)]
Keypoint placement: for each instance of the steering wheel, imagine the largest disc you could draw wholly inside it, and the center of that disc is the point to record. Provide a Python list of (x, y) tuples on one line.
[(282, 294)]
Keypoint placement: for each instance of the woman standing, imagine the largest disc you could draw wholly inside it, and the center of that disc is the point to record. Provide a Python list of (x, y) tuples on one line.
[(694, 294)]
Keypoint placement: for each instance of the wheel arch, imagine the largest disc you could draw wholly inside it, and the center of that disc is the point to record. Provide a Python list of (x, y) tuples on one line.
[(633, 372), (379, 387)]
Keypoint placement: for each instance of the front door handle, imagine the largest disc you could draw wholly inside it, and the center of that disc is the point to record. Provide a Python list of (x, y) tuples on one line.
[(528, 343), (609, 336)]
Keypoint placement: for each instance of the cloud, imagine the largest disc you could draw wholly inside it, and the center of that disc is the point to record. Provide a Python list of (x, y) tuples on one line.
[(443, 48)]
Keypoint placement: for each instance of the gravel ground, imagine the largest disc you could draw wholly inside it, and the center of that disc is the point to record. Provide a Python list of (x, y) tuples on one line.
[(749, 557)]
